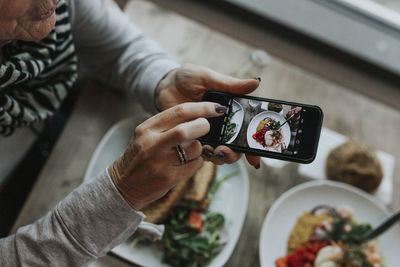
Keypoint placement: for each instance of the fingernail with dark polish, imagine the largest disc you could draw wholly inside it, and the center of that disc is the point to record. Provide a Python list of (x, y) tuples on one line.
[(221, 109), (257, 166), (207, 152), (221, 155), (257, 78)]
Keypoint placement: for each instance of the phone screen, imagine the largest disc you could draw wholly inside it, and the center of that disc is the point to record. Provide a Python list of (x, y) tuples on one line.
[(262, 125), (266, 127)]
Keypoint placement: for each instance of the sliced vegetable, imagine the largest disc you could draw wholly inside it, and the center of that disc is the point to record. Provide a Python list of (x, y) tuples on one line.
[(195, 221), (302, 256), (281, 262)]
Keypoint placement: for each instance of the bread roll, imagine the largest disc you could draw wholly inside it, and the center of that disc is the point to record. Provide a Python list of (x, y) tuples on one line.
[(354, 164)]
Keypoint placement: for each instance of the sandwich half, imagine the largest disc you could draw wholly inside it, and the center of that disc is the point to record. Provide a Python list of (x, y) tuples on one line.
[(190, 192), (196, 193)]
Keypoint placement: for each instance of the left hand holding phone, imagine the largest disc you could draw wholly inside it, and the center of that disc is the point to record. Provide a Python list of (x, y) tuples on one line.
[(188, 84)]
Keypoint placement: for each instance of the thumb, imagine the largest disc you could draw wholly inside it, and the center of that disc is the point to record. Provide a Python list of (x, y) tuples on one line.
[(224, 83)]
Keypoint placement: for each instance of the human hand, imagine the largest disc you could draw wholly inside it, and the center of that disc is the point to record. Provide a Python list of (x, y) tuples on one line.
[(296, 111), (188, 84), (151, 165)]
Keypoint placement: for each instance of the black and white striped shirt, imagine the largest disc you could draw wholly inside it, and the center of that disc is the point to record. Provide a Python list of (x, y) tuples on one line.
[(35, 76)]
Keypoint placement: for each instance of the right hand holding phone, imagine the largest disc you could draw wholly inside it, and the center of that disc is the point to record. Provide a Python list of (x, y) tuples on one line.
[(152, 164)]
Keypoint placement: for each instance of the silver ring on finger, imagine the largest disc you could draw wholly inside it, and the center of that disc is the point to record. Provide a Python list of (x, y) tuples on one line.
[(181, 154)]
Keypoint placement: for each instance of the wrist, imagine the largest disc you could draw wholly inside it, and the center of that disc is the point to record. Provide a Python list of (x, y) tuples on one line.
[(122, 188), (161, 94)]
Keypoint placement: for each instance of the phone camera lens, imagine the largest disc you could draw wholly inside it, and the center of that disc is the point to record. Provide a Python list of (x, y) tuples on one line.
[(300, 131)]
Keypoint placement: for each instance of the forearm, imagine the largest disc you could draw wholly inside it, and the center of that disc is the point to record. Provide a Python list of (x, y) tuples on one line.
[(114, 49), (92, 220)]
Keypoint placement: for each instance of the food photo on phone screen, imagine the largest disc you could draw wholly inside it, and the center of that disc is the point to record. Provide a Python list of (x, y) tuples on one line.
[(262, 125)]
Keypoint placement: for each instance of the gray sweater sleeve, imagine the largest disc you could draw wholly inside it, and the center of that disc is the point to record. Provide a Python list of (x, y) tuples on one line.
[(114, 49), (94, 218), (88, 223)]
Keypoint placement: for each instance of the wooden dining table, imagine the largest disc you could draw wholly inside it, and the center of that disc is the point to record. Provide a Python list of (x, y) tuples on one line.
[(99, 107)]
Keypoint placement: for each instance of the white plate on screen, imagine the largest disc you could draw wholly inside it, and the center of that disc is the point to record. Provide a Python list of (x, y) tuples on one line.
[(231, 199), (252, 129), (284, 212), (236, 118)]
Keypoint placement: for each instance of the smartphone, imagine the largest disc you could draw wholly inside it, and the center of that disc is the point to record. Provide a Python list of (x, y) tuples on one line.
[(265, 127)]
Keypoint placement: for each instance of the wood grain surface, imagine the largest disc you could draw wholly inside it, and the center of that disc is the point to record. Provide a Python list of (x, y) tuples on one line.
[(346, 112)]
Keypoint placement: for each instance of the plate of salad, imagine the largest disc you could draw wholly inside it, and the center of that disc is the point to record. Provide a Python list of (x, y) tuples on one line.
[(322, 223), (221, 222), (234, 124)]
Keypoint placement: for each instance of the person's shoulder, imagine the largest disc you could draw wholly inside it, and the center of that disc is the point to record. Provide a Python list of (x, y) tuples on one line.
[(80, 10)]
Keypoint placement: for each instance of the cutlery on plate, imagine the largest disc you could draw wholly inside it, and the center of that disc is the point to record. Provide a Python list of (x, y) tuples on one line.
[(382, 227), (286, 121)]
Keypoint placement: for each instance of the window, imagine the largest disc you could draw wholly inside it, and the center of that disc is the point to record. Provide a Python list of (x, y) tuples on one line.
[(369, 29)]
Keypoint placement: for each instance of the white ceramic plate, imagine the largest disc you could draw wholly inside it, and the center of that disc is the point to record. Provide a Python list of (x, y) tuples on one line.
[(237, 118), (231, 199), (284, 212), (252, 129)]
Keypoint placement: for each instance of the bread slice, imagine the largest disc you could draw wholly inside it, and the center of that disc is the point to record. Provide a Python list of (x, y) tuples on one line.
[(200, 183), (158, 210)]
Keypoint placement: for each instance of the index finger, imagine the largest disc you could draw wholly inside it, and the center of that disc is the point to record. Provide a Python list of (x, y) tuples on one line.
[(183, 113)]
